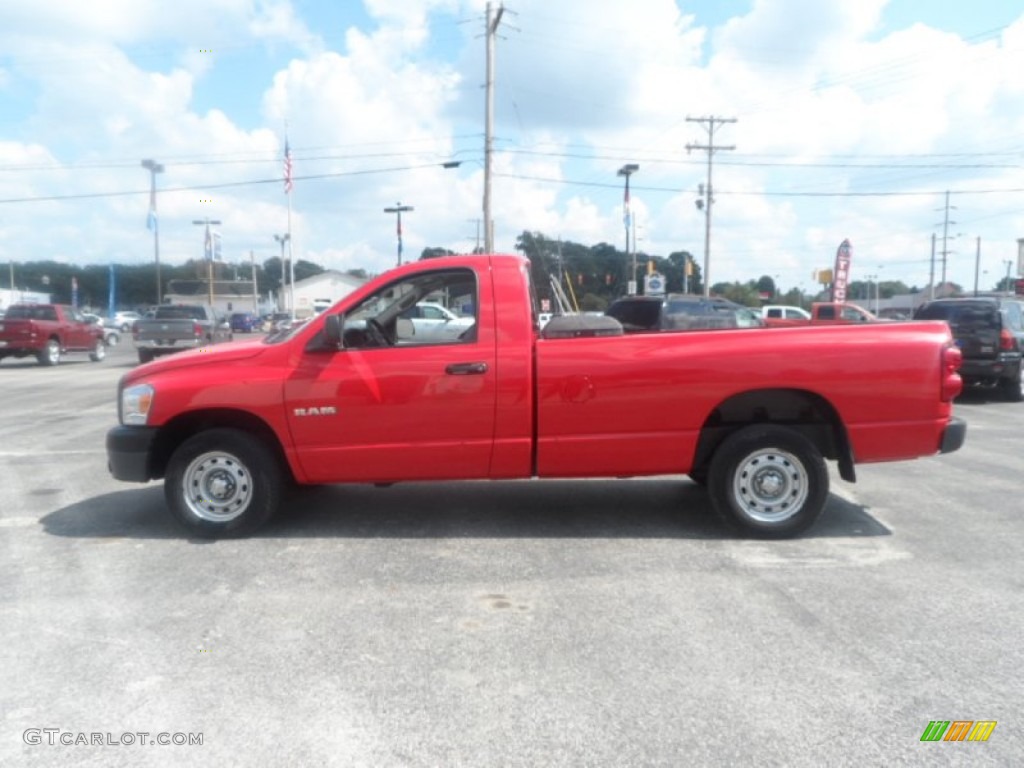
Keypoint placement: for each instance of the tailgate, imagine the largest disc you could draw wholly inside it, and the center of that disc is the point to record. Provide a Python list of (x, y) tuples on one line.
[(14, 332), (976, 331)]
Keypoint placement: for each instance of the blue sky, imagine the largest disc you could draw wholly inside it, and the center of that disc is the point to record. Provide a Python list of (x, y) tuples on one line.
[(853, 119)]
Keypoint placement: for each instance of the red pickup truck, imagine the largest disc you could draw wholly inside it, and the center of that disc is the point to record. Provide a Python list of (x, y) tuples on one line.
[(355, 396), (47, 331), (826, 312)]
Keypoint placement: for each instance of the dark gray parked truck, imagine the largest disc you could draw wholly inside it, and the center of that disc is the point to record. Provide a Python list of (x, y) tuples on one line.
[(176, 327)]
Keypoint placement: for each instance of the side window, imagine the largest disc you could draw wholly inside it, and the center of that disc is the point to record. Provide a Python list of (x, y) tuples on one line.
[(851, 314), (1014, 316), (395, 317), (826, 313), (49, 313)]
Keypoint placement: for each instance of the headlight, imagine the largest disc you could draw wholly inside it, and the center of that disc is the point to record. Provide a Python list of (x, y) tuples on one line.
[(135, 403)]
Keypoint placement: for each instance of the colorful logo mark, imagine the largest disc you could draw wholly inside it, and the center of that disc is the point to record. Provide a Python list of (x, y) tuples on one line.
[(958, 730)]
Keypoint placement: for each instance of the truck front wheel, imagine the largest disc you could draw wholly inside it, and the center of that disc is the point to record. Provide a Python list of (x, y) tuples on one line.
[(768, 481), (99, 351), (223, 482)]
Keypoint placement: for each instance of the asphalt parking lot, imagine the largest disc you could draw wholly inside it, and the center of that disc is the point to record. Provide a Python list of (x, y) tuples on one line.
[(490, 624)]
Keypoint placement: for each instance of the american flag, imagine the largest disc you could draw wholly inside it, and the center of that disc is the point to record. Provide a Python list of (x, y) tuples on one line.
[(287, 167)]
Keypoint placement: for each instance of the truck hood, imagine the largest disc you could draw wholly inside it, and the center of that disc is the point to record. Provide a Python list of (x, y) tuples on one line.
[(197, 358)]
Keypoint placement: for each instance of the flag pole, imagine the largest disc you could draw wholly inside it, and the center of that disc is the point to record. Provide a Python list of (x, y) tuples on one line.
[(288, 191), (291, 257)]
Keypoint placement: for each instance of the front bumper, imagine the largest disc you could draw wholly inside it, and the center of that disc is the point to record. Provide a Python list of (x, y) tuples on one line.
[(128, 453), (953, 435)]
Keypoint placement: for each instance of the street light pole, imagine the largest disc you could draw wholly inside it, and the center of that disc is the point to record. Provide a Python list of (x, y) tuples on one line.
[(153, 222), (283, 240), (872, 279), (208, 251), (399, 209), (628, 170)]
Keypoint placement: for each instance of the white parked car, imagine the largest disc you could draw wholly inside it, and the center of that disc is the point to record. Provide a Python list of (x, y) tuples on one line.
[(434, 322), (111, 336), (784, 312), (124, 321)]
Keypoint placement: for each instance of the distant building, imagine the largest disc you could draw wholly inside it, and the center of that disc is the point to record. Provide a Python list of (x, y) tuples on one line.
[(317, 293), (228, 295), (8, 297)]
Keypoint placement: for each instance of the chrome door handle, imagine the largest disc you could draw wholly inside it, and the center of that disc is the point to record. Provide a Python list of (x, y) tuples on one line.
[(466, 369)]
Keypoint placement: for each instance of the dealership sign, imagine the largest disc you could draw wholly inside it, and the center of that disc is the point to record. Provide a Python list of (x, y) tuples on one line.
[(841, 273)]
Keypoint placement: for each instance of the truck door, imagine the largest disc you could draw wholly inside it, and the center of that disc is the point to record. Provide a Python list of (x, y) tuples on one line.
[(79, 332), (390, 406)]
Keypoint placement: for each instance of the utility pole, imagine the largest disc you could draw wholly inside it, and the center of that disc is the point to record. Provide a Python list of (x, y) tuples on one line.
[(710, 124), (628, 170), (977, 264), (493, 20), (931, 273), (208, 250), (945, 234), (255, 291), (399, 209)]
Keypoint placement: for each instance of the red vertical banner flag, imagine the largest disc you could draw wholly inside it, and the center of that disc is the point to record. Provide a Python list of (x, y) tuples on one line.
[(287, 167), (841, 273)]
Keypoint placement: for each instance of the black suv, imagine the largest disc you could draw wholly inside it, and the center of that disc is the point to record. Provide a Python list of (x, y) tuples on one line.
[(990, 332), (680, 312)]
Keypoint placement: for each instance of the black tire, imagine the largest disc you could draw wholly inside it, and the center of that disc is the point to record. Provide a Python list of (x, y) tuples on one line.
[(223, 482), (50, 354), (699, 475), (145, 356), (768, 481), (99, 351), (1013, 389)]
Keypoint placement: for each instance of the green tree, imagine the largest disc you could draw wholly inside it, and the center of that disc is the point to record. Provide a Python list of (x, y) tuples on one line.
[(435, 253)]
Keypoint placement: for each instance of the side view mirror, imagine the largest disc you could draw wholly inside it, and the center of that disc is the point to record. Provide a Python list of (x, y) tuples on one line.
[(334, 329)]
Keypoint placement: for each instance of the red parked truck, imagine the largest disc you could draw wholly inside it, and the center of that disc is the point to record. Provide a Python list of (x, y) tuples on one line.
[(47, 331), (354, 396), (826, 312)]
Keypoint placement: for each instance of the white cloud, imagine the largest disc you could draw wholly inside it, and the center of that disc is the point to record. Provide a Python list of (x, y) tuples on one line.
[(814, 86)]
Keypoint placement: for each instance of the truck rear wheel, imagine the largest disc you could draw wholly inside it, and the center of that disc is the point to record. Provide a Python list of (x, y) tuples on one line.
[(145, 356), (50, 354), (223, 482), (1013, 388), (768, 481)]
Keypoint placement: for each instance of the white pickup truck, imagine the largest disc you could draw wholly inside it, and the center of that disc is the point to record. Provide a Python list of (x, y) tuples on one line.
[(434, 321)]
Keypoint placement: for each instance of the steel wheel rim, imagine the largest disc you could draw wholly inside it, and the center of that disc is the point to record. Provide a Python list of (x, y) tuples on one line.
[(101, 350), (53, 351), (771, 485), (217, 487)]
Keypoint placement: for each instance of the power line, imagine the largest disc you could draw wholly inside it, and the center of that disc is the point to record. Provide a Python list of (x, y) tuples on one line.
[(223, 185)]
